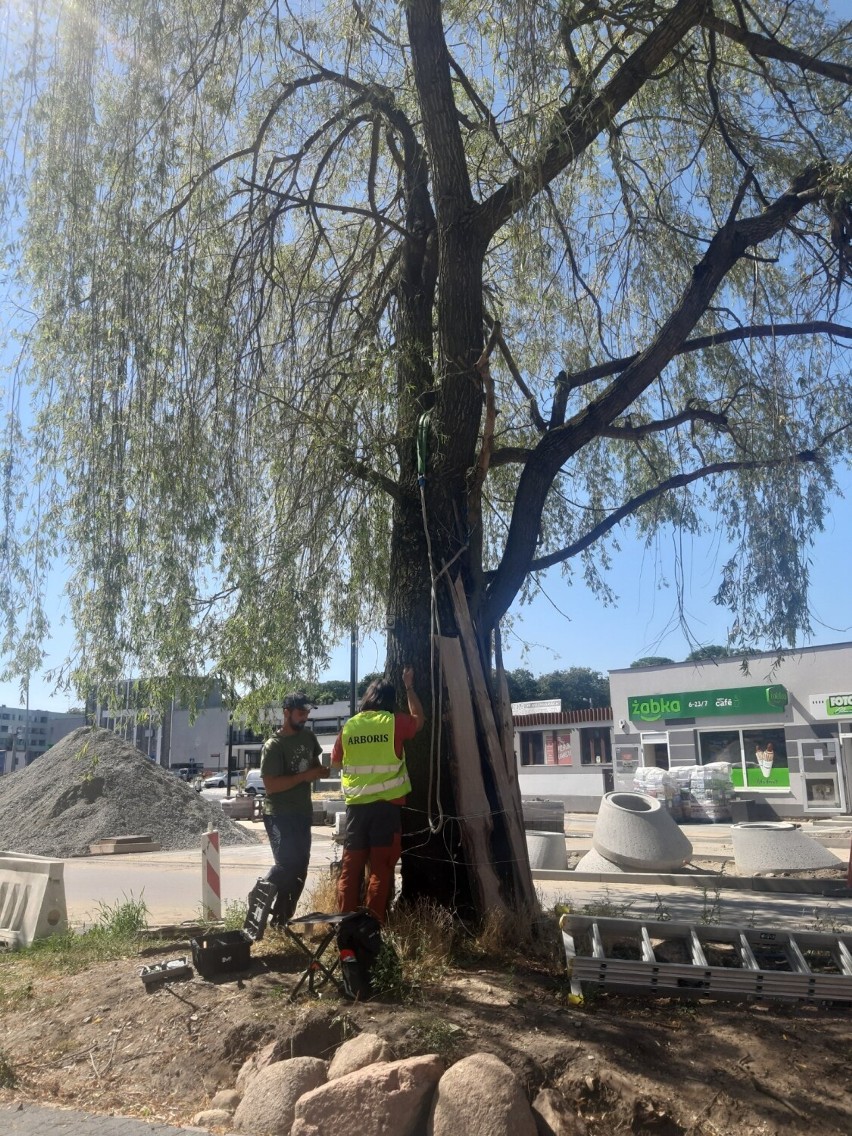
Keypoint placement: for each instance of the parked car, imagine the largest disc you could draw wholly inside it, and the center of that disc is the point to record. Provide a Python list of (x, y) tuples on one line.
[(254, 784), (217, 781)]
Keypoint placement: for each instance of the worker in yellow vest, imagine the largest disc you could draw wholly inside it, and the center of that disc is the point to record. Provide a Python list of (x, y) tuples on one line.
[(375, 781)]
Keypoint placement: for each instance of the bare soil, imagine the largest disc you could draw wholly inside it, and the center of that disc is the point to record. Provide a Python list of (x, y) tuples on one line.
[(100, 1041)]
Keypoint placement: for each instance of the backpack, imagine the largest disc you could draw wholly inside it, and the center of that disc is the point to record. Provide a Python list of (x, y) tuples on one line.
[(359, 940)]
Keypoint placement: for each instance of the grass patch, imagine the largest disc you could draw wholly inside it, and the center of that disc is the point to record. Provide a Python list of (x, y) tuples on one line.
[(122, 918), (236, 911), (113, 935), (322, 895), (419, 943), (436, 1035), (8, 1079)]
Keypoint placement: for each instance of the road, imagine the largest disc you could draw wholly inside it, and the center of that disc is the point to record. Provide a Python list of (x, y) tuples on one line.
[(170, 884)]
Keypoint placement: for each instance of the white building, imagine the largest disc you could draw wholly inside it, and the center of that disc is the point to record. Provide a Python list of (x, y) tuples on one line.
[(25, 734), (785, 727)]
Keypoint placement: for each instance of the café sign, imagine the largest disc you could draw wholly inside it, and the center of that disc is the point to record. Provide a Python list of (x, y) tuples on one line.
[(707, 703)]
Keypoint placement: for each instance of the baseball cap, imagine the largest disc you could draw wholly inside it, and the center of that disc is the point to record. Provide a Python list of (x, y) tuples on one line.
[(298, 700)]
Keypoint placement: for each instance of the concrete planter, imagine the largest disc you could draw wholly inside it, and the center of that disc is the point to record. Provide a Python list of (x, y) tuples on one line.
[(547, 851), (333, 806), (777, 846), (543, 816), (634, 831)]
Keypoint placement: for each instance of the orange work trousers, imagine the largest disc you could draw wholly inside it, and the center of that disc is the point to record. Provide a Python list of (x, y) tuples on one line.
[(381, 863)]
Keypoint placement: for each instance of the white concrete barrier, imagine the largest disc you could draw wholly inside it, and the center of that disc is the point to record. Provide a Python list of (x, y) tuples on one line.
[(32, 898)]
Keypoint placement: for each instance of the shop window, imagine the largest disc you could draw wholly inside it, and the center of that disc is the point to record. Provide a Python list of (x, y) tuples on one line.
[(532, 748), (758, 757), (595, 746), (557, 748), (824, 730), (766, 765), (720, 745), (547, 747)]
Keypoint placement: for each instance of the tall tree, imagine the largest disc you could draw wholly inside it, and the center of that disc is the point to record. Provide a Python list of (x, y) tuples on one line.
[(580, 688), (358, 312), (712, 651)]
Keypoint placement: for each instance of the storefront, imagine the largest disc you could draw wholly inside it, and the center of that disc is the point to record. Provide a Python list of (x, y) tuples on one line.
[(565, 755), (784, 727)]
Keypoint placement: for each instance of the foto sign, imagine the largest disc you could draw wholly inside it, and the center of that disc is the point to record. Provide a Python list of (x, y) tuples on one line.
[(831, 705), (707, 703)]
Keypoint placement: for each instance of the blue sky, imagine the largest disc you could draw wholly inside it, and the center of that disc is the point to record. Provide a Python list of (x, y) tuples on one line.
[(572, 628), (569, 627)]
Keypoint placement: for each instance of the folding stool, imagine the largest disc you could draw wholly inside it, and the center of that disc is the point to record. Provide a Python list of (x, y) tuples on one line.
[(317, 973)]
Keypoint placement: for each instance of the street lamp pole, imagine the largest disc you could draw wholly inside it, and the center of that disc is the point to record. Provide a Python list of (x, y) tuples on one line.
[(353, 669), (230, 753)]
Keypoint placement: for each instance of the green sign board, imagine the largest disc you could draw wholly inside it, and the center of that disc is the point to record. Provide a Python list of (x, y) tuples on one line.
[(757, 777), (707, 703), (838, 705)]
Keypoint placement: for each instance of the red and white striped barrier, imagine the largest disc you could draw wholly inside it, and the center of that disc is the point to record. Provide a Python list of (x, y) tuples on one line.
[(211, 879)]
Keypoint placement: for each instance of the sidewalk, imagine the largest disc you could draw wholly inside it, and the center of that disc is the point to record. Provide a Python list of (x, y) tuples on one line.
[(36, 1120)]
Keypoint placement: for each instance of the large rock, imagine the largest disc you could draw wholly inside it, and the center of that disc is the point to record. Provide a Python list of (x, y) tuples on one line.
[(480, 1096), (388, 1099), (554, 1115), (250, 1068), (634, 831), (357, 1053), (270, 1097), (228, 1099), (311, 1033), (211, 1117)]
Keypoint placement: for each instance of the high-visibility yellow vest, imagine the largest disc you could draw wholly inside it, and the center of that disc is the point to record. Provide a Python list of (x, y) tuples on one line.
[(371, 769)]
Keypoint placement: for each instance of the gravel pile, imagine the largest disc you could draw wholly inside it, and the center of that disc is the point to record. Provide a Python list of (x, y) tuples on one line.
[(93, 785)]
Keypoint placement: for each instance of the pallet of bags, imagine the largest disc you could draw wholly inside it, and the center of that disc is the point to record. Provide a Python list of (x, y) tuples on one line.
[(680, 779), (657, 783), (710, 792)]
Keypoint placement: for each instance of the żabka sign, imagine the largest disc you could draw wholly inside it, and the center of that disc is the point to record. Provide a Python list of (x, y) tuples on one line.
[(708, 703)]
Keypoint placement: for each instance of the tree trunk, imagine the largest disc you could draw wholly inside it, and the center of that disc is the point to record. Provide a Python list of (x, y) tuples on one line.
[(461, 846)]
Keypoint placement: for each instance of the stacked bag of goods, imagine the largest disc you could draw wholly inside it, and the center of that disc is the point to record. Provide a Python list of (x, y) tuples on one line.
[(708, 793), (680, 781), (659, 784)]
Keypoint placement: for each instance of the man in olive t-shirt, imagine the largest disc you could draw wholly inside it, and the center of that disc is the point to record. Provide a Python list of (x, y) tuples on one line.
[(289, 764)]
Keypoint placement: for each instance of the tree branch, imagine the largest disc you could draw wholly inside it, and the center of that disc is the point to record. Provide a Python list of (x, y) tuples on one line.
[(579, 122), (755, 331), (508, 358), (253, 149), (690, 414), (767, 48), (635, 503), (728, 246), (367, 474), (300, 202)]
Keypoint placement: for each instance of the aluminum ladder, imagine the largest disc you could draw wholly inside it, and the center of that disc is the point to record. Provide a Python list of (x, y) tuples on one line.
[(632, 956)]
